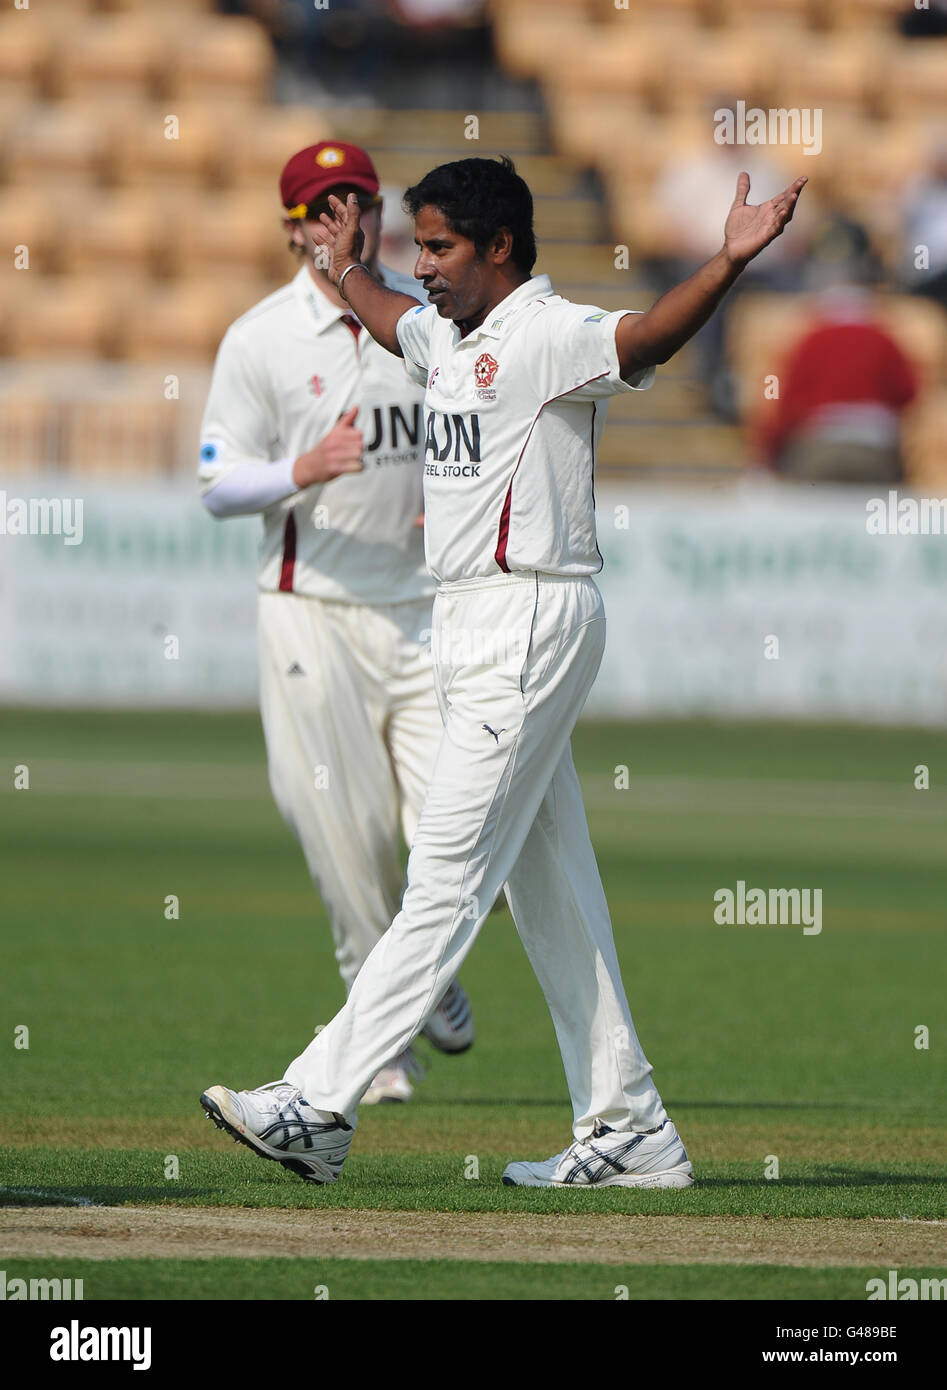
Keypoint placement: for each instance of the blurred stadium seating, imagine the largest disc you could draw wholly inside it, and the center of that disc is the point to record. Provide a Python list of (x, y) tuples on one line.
[(142, 142)]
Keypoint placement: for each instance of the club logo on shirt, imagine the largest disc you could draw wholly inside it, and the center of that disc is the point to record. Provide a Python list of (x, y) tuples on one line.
[(316, 385), (485, 369)]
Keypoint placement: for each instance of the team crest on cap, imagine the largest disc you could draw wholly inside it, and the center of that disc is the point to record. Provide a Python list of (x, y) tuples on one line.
[(330, 158)]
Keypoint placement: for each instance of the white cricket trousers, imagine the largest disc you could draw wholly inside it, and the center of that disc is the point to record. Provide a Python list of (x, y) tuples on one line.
[(352, 728), (514, 660)]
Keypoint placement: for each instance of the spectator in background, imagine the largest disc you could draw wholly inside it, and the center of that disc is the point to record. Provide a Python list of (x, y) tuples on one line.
[(924, 21), (924, 223), (430, 13), (692, 197), (842, 391)]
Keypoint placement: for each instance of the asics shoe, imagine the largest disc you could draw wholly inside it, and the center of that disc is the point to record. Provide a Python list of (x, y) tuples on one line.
[(394, 1081), (276, 1122), (611, 1158), (450, 1027)]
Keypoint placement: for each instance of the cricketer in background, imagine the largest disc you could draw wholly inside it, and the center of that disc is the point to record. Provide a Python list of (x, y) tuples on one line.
[(319, 430)]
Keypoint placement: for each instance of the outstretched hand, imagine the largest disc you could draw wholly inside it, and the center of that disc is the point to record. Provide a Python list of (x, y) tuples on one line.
[(748, 229), (341, 233)]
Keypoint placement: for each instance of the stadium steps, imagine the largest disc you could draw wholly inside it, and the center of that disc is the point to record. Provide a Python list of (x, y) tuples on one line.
[(509, 132), (548, 175), (704, 449)]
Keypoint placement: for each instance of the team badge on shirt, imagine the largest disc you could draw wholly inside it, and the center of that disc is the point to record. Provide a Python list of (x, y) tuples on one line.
[(316, 385), (485, 369)]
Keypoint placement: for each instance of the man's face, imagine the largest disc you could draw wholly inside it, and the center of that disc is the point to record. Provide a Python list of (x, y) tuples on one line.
[(369, 222), (459, 282)]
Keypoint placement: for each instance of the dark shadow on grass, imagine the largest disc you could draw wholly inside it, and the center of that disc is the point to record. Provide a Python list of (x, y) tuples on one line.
[(829, 1177), (534, 1102), (673, 1104), (79, 1197)]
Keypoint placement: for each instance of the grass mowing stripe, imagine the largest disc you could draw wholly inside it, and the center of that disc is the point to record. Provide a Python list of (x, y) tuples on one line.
[(435, 1182), (305, 1280), (812, 797)]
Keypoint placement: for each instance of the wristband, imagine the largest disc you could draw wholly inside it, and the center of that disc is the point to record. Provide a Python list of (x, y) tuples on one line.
[(356, 265)]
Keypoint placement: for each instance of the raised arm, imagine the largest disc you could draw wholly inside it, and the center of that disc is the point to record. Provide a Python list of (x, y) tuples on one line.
[(377, 307), (654, 337)]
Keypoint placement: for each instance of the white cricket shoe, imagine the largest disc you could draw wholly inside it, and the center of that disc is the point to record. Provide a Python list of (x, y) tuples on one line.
[(450, 1027), (276, 1122), (393, 1082), (611, 1158)]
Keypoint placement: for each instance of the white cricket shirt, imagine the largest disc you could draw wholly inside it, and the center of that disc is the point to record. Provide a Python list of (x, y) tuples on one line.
[(285, 371), (513, 416)]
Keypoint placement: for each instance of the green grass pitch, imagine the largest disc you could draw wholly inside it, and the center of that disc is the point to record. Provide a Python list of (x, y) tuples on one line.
[(767, 1043)]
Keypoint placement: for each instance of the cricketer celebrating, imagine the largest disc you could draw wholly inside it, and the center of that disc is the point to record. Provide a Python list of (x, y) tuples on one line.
[(516, 384), (312, 424)]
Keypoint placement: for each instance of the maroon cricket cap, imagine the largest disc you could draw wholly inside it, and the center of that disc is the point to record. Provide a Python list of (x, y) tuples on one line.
[(316, 169)]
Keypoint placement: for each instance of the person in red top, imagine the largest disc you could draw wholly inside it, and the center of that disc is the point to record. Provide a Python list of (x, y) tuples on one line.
[(842, 391)]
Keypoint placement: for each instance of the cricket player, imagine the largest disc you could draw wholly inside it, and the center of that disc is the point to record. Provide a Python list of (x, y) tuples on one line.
[(319, 430), (517, 380)]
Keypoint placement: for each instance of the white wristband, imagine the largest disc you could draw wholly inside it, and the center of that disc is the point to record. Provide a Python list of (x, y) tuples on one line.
[(356, 265)]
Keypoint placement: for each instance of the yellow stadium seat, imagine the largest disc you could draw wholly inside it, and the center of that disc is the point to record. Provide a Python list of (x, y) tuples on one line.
[(254, 151), (840, 70), (25, 222), (221, 57), (117, 55), (185, 320), (862, 14), (699, 69), (655, 144), (532, 40), (641, 15), (222, 233), (180, 9), (925, 429), (174, 146), (26, 47), (64, 317), (625, 63), (122, 230), (800, 13), (583, 125), (920, 326), (915, 78), (64, 144)]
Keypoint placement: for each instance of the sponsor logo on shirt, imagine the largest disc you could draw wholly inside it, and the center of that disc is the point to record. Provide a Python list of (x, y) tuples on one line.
[(392, 430), (595, 318), (454, 437)]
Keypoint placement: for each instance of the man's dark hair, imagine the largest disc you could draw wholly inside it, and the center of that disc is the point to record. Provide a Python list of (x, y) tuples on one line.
[(477, 197)]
